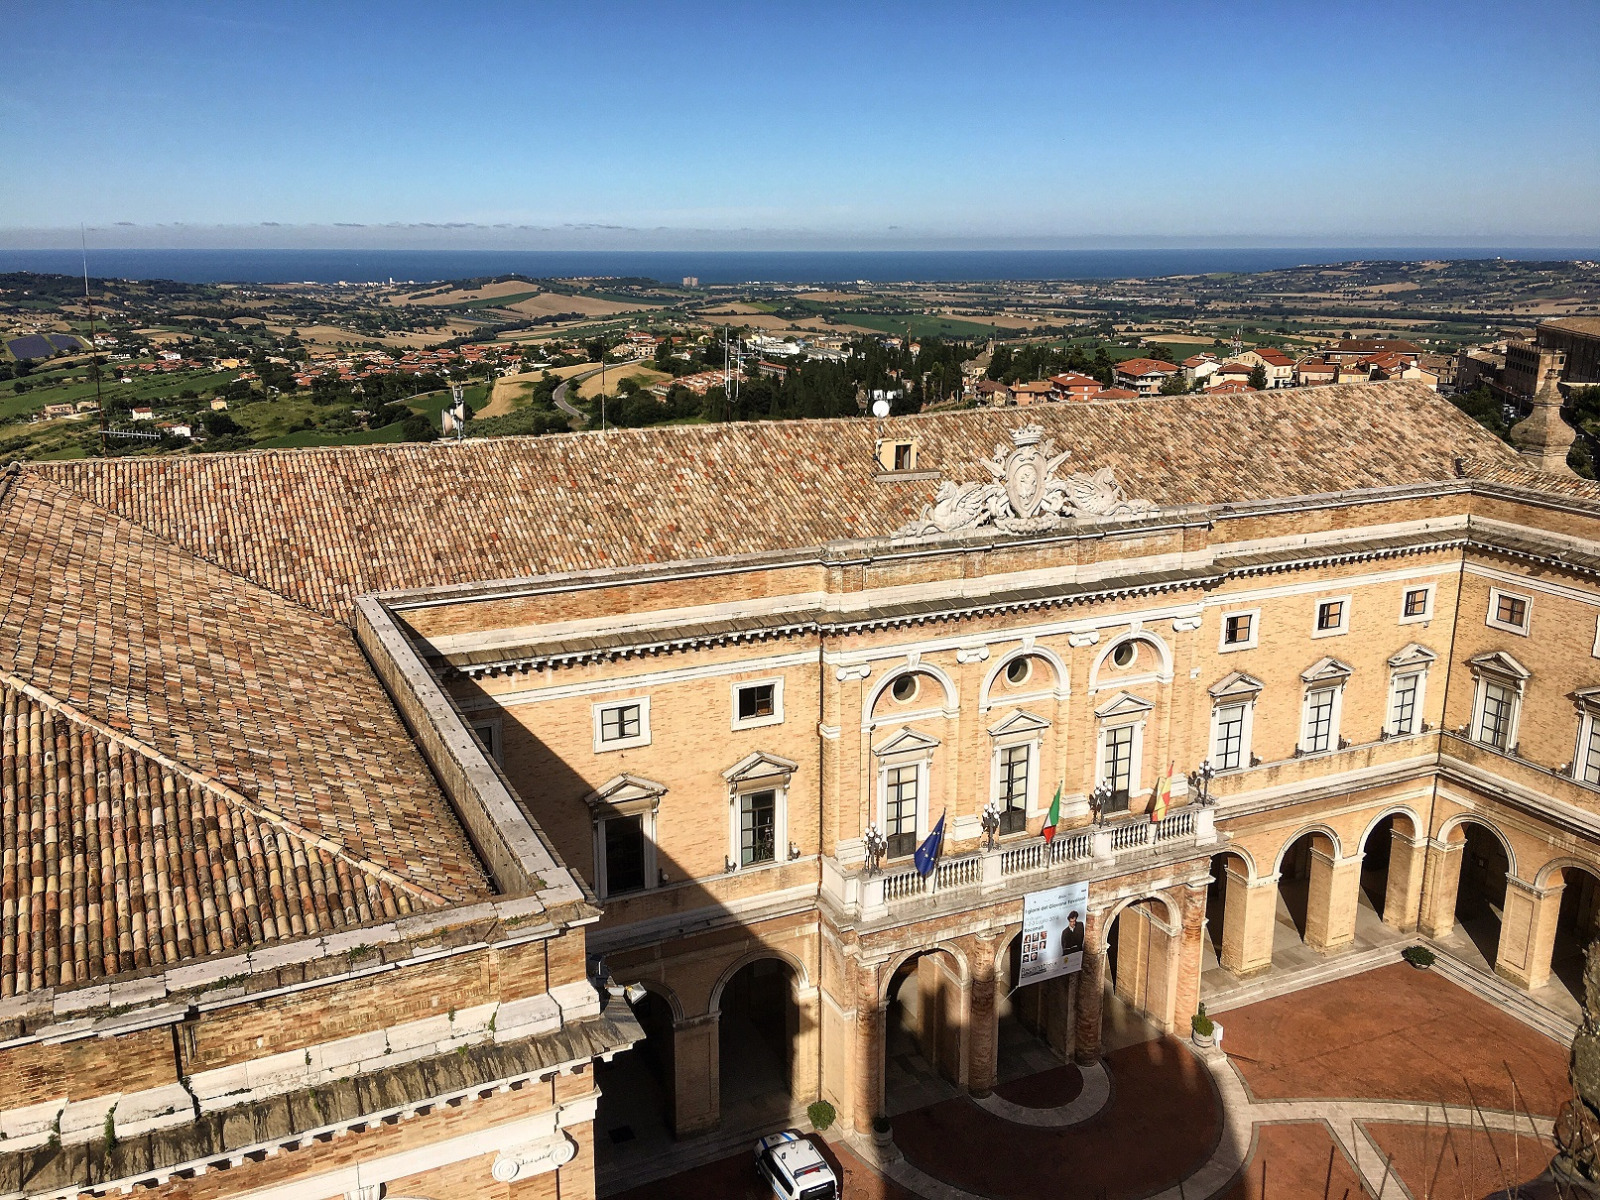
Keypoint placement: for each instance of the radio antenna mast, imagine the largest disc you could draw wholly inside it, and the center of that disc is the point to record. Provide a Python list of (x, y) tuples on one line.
[(94, 347)]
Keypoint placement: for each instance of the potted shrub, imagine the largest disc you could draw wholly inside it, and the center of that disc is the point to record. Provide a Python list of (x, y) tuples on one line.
[(821, 1115), (1204, 1029), (882, 1133), (1419, 957)]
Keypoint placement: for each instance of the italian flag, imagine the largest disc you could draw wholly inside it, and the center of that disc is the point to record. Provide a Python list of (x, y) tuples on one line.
[(1050, 822), (1162, 800)]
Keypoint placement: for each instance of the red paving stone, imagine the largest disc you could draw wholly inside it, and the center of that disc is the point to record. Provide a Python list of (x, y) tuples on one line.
[(734, 1178), (1393, 1034), (1163, 1122), (1296, 1158), (1047, 1089), (1431, 1167)]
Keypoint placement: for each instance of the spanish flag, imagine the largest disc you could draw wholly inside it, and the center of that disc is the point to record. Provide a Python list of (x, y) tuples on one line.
[(1049, 830), (1161, 799)]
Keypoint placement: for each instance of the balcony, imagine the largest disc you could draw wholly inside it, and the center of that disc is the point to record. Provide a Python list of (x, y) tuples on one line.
[(1014, 869)]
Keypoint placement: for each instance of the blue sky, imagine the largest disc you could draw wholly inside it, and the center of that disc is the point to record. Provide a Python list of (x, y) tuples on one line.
[(765, 124)]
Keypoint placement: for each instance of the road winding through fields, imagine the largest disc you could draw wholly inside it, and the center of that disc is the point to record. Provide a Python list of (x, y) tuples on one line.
[(560, 395)]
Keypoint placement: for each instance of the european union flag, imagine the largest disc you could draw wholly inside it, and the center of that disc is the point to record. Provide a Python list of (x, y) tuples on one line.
[(927, 856)]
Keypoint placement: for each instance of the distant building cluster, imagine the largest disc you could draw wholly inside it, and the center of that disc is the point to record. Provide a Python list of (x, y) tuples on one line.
[(1263, 368), (1514, 368)]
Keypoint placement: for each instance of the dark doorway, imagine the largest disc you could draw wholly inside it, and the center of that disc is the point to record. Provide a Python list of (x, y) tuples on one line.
[(1481, 892), (755, 1041)]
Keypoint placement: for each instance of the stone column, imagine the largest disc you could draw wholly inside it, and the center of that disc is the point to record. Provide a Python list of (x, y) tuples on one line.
[(1249, 921), (1441, 878), (1528, 933), (805, 1067), (868, 1098), (1091, 985), (697, 1103), (1331, 906), (1191, 946), (1402, 897), (983, 1028)]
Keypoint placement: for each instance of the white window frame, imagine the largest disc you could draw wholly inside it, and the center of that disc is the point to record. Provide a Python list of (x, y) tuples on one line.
[(1246, 730), (1420, 674), (1588, 724), (601, 707), (759, 773), (623, 797), (1344, 616), (1335, 716), (489, 737), (1136, 750), (1029, 742), (1226, 647), (1514, 717), (778, 785), (647, 830), (924, 775), (920, 757), (1427, 611), (1594, 651), (1494, 622), (776, 683)]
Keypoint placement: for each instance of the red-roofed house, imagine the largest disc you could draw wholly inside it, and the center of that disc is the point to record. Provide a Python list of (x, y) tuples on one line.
[(1075, 386), (1144, 376)]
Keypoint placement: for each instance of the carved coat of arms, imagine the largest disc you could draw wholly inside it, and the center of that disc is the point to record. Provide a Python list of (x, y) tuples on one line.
[(1024, 493)]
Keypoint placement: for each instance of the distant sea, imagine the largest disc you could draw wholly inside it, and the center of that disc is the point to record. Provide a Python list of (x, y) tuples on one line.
[(718, 266)]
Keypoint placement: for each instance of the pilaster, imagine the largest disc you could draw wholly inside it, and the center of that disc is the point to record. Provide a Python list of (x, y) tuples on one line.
[(1441, 878), (1528, 933), (1335, 894), (1402, 897)]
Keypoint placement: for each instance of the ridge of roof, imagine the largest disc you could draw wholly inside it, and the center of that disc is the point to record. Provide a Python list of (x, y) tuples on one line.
[(217, 788), (259, 702), (325, 525)]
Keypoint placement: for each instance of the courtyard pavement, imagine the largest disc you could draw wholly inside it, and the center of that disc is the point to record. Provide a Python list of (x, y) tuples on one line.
[(1393, 1083)]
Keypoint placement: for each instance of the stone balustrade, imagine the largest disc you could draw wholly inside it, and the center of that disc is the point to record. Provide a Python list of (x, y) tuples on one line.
[(1017, 867)]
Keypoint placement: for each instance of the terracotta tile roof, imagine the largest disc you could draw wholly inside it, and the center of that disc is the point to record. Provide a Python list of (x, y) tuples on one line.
[(114, 861), (1517, 472), (1144, 366), (326, 525), (1230, 387), (247, 695), (1276, 358)]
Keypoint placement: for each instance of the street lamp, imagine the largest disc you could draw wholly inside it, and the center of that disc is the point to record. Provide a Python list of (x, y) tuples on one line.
[(1099, 800), (876, 846), (991, 825), (1200, 780)]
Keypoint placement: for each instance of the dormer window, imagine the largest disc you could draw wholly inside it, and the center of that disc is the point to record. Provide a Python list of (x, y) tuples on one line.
[(897, 455)]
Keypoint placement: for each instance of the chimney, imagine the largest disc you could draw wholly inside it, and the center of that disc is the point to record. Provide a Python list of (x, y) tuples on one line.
[(1543, 438)]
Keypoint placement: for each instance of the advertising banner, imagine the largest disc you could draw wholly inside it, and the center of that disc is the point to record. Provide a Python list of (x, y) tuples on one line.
[(1052, 932)]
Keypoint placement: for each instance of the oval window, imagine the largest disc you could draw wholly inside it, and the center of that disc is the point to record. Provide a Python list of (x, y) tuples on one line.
[(904, 688), (1018, 670), (1122, 656)]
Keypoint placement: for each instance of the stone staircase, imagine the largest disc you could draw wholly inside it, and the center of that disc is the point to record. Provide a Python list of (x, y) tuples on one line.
[(1282, 982), (1504, 996)]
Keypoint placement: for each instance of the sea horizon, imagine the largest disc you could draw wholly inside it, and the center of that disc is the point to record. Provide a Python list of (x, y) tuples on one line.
[(790, 267)]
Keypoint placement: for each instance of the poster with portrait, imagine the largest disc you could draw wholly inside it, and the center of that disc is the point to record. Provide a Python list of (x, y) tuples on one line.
[(1052, 932)]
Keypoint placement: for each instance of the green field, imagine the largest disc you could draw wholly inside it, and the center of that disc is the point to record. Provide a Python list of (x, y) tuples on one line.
[(920, 325), (431, 404), (492, 301), (142, 389), (354, 437)]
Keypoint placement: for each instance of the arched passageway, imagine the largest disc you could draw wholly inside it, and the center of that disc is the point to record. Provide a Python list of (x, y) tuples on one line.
[(925, 1031), (1035, 1020), (1377, 857), (636, 1088), (1481, 889), (1577, 924), (1303, 886), (1141, 972), (757, 1036)]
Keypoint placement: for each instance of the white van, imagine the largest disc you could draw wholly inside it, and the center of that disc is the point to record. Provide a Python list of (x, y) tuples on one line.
[(794, 1168)]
